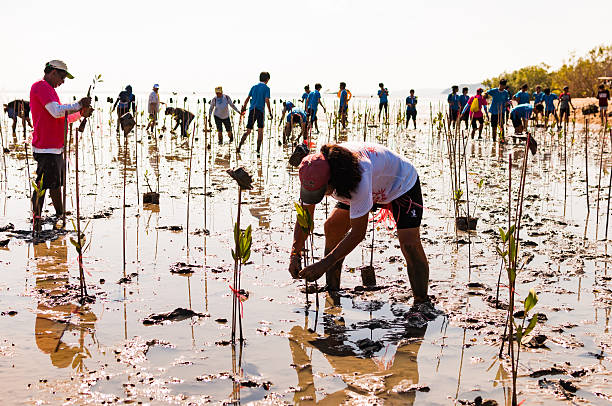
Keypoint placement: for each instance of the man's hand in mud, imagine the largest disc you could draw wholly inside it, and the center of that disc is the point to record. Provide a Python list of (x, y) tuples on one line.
[(85, 102), (295, 266), (315, 271), (86, 111)]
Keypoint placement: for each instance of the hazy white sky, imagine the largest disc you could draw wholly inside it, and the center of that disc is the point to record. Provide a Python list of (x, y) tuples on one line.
[(196, 45)]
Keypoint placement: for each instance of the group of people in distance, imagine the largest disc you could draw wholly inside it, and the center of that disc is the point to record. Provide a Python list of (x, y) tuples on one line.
[(463, 108), (363, 177)]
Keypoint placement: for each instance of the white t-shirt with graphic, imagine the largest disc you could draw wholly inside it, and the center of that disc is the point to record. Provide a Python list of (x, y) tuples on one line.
[(385, 176)]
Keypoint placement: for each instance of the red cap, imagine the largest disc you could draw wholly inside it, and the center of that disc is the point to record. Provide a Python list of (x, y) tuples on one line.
[(314, 176)]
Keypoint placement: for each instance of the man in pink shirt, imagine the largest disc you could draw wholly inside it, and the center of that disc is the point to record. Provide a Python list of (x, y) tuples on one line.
[(48, 116)]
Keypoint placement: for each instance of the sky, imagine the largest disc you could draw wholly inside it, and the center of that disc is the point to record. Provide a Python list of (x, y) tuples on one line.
[(193, 46)]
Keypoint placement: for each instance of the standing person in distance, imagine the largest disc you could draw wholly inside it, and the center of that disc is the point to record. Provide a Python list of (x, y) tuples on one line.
[(411, 111), (343, 94), (499, 99), (48, 136), (463, 99), (565, 101), (453, 106), (259, 95), (473, 107), (383, 97), (312, 104), (538, 106), (219, 105), (305, 95), (124, 102), (603, 97), (153, 106), (549, 102), (522, 96)]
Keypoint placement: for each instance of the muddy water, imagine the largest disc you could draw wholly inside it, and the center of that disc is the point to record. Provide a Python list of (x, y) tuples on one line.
[(360, 346)]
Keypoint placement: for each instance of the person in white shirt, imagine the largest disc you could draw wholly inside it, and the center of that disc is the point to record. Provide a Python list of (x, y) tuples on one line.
[(154, 103), (362, 177), (220, 106)]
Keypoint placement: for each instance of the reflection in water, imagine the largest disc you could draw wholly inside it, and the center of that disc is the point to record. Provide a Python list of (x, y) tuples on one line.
[(58, 319), (370, 375)]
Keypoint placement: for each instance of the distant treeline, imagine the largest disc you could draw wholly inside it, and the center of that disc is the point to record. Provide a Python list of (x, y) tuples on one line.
[(580, 74)]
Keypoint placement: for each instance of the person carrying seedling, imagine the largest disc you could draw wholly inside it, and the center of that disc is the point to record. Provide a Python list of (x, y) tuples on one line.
[(259, 95), (383, 97), (453, 106), (48, 136), (299, 117), (344, 96), (220, 106), (549, 101), (182, 117), (473, 107), (499, 99), (520, 116), (124, 102), (18, 109), (463, 99), (154, 103), (565, 101), (305, 95), (362, 177), (313, 102), (603, 96), (411, 111), (522, 96)]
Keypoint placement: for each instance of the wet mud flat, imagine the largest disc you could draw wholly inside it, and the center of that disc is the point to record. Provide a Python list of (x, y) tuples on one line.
[(157, 330)]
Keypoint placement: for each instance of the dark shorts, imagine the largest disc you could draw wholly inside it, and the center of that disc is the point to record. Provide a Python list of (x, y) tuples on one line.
[(564, 111), (411, 114), (220, 122), (11, 113), (453, 114), (495, 120), (465, 117), (477, 122), (516, 121), (343, 109), (383, 105), (255, 115), (312, 114), (50, 169), (407, 209), (122, 110)]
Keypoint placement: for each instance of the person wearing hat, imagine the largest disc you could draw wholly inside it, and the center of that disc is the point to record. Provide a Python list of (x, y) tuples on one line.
[(473, 107), (48, 136), (362, 177), (125, 100), (153, 107), (220, 105)]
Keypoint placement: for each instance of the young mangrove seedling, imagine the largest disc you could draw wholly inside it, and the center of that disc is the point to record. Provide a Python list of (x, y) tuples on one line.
[(40, 192), (306, 223)]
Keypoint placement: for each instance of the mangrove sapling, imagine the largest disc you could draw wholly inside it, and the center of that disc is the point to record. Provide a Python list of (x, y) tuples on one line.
[(40, 192), (3, 155), (242, 242), (306, 223), (78, 244)]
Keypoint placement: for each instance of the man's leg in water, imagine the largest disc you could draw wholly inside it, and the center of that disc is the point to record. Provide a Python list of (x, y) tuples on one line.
[(416, 260), (259, 139), (336, 227)]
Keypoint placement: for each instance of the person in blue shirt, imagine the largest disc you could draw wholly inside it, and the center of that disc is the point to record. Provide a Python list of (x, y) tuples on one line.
[(343, 110), (287, 107), (383, 97), (411, 111), (259, 95), (463, 99), (312, 104), (497, 110), (296, 116), (520, 116), (549, 103), (523, 96), (538, 99), (124, 102), (453, 106), (305, 95)]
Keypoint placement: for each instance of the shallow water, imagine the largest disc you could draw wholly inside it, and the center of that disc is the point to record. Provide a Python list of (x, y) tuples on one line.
[(55, 351)]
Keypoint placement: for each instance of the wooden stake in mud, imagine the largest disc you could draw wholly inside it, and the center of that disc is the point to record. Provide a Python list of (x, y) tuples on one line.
[(603, 142), (65, 169), (609, 186), (82, 285)]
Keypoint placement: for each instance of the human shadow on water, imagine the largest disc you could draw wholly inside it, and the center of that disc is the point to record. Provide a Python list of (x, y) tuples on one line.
[(367, 367), (58, 317)]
